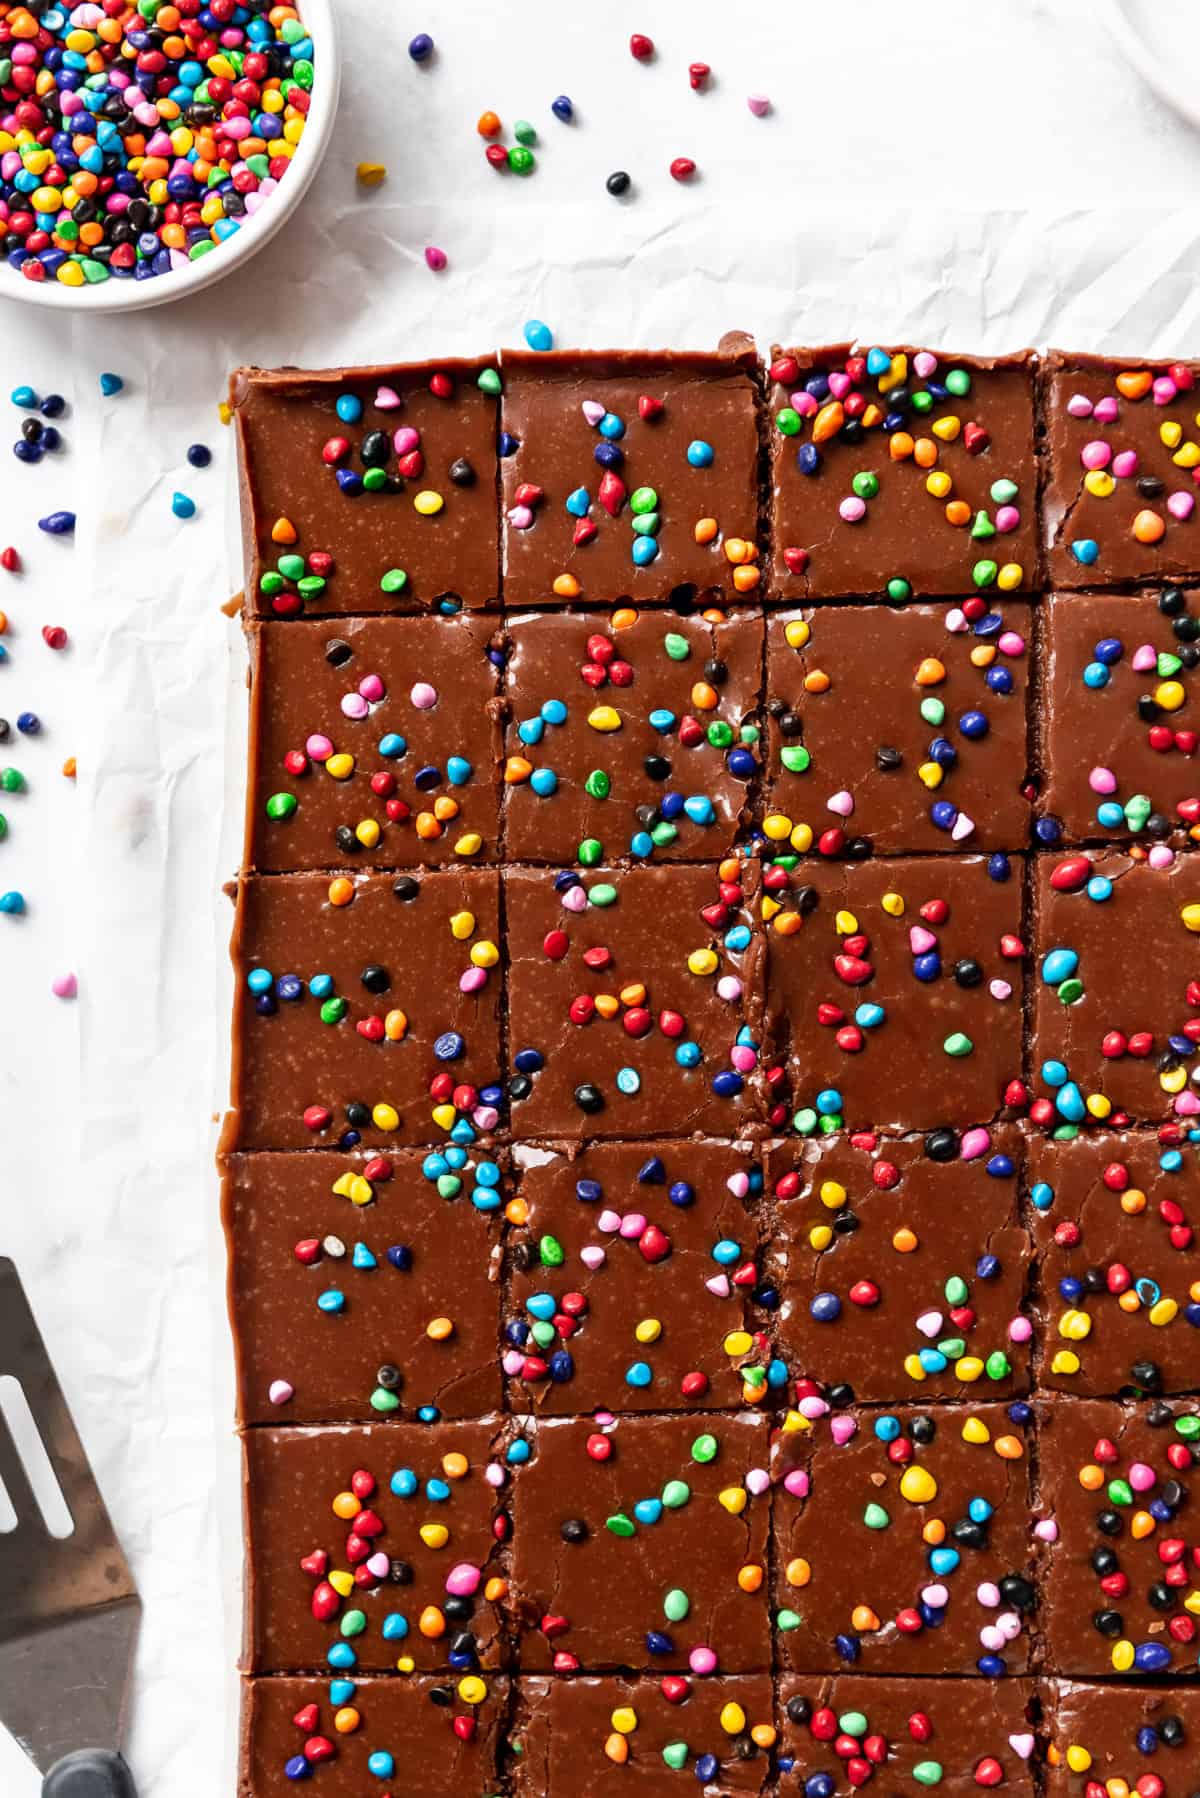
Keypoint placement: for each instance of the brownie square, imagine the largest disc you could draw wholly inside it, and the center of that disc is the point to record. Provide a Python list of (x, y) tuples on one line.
[(902, 1540), (377, 742), (1120, 450), (368, 1008), (901, 472), (1115, 1738), (1118, 1261), (349, 1732), (364, 1285), (642, 1543), (942, 762), (399, 1515), (629, 475), (1121, 714), (1116, 1010), (894, 989), (634, 997), (1117, 1497), (369, 489), (902, 1275), (574, 1737), (636, 730), (840, 1732), (635, 1281)]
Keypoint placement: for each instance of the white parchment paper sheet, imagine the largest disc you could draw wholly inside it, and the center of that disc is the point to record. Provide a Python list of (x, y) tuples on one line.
[(970, 177)]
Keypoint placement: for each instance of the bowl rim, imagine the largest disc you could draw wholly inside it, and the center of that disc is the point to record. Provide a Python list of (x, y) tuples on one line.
[(113, 296)]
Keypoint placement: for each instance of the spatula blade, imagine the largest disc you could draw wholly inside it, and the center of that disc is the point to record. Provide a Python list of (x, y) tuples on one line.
[(67, 1685), (69, 1610)]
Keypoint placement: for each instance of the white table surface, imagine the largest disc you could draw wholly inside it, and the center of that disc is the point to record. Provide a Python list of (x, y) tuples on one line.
[(974, 177)]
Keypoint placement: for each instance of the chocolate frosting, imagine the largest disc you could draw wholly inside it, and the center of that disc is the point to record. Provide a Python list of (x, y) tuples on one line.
[(563, 1739), (413, 702), (437, 1743), (960, 976), (593, 1573), (1125, 1034), (975, 440), (395, 1483), (1113, 1227), (401, 934), (661, 1241), (611, 949), (858, 1534), (661, 706), (1119, 1482), (902, 1276), (343, 1267), (904, 727), (663, 403), (1107, 661), (1089, 538), (293, 502)]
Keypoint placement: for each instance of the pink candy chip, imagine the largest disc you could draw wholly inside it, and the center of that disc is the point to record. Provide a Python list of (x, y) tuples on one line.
[(280, 1391), (463, 1580), (64, 986), (423, 696)]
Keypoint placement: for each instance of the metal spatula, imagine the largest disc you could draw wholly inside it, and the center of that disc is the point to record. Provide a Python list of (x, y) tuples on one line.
[(69, 1610)]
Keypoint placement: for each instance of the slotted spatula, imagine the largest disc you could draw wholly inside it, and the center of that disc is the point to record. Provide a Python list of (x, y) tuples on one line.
[(69, 1610)]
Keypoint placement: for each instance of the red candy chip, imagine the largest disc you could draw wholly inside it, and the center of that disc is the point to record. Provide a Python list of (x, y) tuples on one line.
[(654, 1244), (1071, 874), (317, 1117), (599, 1447), (649, 407), (316, 1564), (307, 1719), (308, 1251), (698, 74), (682, 168), (852, 969), (675, 1688), (989, 1772), (464, 1728), (318, 1749), (795, 560), (641, 46), (785, 370), (555, 944), (10, 559), (325, 1602)]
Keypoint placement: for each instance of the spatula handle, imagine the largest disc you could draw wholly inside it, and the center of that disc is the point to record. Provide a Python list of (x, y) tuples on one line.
[(90, 1773)]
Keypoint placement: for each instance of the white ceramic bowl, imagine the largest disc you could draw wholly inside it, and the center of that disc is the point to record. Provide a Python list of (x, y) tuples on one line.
[(135, 296)]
